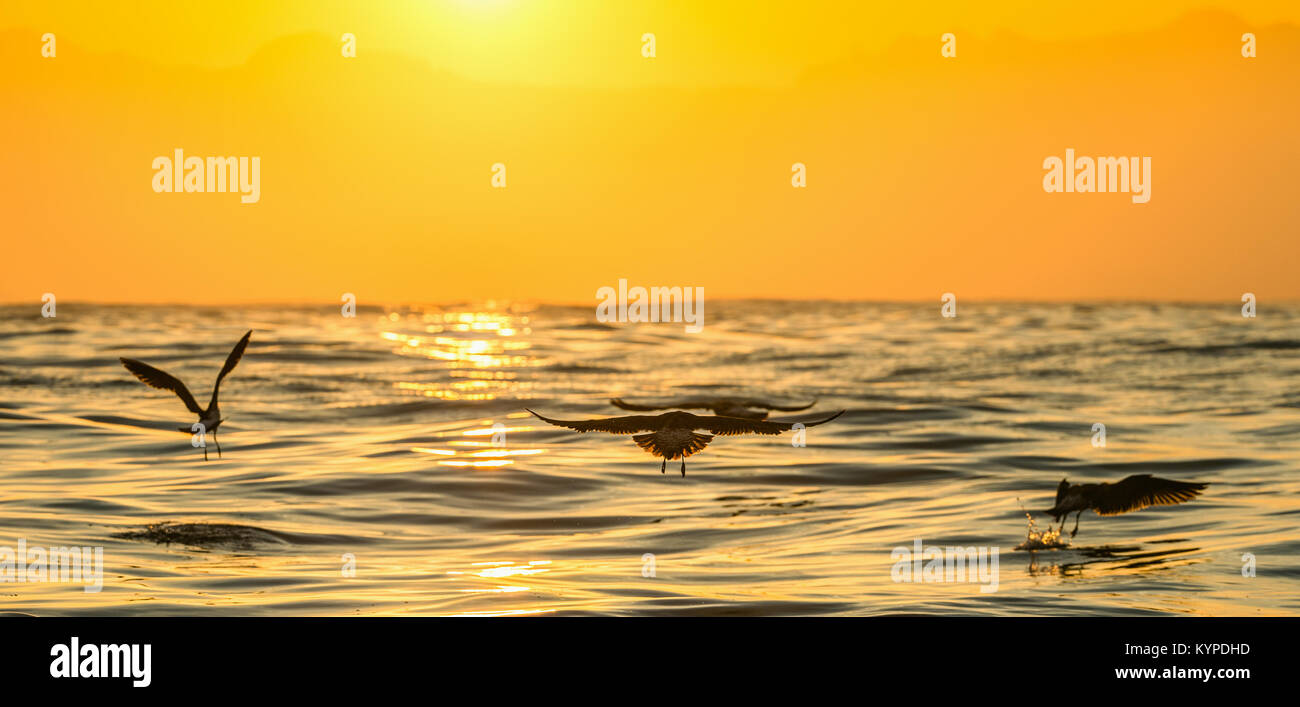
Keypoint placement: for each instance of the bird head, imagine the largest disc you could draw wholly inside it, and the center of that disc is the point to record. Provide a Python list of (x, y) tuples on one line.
[(678, 417)]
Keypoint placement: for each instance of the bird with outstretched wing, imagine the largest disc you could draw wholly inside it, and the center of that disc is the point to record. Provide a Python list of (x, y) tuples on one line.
[(1130, 494), (673, 435), (209, 417), (725, 407)]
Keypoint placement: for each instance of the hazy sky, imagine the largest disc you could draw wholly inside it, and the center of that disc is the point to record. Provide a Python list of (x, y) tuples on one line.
[(924, 173)]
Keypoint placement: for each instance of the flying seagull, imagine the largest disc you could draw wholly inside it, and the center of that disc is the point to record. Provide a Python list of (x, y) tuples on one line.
[(209, 418), (1132, 494), (672, 434), (726, 407)]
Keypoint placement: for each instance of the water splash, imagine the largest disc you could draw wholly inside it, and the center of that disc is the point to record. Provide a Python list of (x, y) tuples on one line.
[(1036, 539)]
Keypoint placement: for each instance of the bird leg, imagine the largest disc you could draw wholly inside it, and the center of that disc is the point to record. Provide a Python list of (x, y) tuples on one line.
[(663, 466), (218, 443), (683, 466), (1076, 523), (205, 452)]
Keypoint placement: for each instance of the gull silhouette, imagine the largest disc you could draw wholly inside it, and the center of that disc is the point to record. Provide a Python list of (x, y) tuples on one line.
[(726, 407), (210, 419), (672, 434), (1132, 494)]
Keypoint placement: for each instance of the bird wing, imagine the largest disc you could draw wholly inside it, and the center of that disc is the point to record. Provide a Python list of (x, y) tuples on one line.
[(770, 406), (619, 403), (1143, 490), (155, 378), (687, 404), (235, 354), (616, 425), (700, 403), (1060, 491), (728, 426)]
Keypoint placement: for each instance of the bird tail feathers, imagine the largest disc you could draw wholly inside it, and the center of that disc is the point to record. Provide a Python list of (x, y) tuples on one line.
[(651, 442)]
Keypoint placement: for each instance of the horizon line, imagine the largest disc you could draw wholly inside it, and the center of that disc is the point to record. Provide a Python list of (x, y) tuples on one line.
[(506, 302)]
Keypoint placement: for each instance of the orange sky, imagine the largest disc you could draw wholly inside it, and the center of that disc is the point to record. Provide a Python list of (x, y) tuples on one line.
[(924, 173)]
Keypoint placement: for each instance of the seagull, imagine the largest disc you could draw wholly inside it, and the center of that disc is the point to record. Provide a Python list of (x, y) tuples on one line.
[(1132, 494), (672, 434), (210, 418), (726, 407)]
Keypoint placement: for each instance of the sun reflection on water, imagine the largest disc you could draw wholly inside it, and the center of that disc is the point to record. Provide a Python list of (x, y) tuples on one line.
[(476, 453), (499, 570)]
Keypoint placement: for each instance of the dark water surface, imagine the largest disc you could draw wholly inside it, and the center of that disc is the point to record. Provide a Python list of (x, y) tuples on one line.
[(373, 437)]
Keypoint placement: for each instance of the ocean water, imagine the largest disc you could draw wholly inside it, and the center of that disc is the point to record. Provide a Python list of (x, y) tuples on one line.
[(384, 464)]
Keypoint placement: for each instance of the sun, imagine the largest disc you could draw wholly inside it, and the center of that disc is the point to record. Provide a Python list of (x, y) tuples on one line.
[(485, 4)]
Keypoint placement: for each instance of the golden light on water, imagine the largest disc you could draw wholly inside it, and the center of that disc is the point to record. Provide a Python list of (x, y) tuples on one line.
[(486, 431), (498, 570), (433, 487), (507, 612), (481, 454), (498, 462), (468, 390), (478, 346), (509, 569), (482, 353)]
